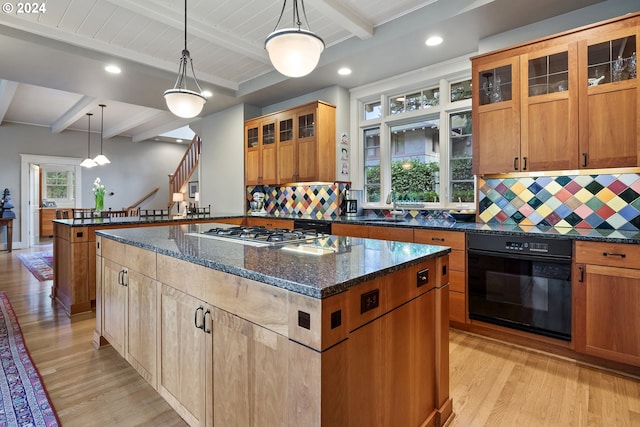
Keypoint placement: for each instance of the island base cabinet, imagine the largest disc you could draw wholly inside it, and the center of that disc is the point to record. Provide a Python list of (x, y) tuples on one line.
[(185, 343), (390, 361)]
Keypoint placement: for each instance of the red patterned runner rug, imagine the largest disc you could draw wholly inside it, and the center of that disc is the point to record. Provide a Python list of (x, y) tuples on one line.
[(23, 398)]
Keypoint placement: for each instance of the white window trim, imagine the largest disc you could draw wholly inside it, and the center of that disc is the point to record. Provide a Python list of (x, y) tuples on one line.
[(442, 75)]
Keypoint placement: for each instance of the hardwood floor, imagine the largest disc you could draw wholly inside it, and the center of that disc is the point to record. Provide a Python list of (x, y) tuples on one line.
[(492, 384)]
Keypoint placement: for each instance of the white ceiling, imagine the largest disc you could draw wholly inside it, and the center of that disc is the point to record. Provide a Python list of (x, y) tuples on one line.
[(52, 67)]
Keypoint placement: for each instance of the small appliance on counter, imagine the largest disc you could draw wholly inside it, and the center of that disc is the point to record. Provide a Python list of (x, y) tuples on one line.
[(350, 205), (257, 204)]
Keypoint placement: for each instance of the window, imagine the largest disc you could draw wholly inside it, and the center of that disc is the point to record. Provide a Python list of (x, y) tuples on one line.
[(420, 147), (372, 164), (415, 161), (58, 184)]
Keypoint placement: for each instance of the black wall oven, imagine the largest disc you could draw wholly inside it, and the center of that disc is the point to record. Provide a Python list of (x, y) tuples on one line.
[(521, 282)]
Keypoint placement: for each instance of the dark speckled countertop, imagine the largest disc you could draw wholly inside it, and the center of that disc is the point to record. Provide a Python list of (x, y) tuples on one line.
[(602, 235), (318, 269)]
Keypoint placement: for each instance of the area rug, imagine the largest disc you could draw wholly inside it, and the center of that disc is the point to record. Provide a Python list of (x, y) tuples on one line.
[(23, 398), (40, 264)]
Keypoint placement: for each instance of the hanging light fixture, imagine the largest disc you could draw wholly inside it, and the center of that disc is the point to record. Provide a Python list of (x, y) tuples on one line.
[(101, 159), (181, 101), (88, 162), (294, 52)]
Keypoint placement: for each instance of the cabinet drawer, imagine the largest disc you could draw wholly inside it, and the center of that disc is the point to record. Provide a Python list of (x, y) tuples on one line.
[(609, 254), (397, 234), (270, 223), (453, 239), (350, 230), (457, 307)]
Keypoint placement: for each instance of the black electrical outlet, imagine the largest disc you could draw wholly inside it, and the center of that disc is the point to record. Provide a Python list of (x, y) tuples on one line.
[(336, 319), (304, 319), (423, 277), (369, 300)]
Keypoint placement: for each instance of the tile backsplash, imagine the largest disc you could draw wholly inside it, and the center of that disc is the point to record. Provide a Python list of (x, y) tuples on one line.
[(319, 200), (582, 201)]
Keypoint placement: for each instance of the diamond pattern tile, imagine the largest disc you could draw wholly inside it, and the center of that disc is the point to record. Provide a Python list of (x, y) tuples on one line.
[(610, 201), (317, 200)]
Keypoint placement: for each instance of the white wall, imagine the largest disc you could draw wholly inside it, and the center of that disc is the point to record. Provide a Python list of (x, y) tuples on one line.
[(222, 161), (135, 168)]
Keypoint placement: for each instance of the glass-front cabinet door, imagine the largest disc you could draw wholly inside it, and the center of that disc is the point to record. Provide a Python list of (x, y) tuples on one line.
[(549, 128), (608, 87), (496, 115), (269, 153), (252, 153)]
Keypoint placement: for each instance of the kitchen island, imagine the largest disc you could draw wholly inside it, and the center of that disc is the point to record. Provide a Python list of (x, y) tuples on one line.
[(335, 331)]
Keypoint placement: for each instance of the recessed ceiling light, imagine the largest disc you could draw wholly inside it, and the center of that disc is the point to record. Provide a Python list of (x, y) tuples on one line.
[(113, 69), (206, 93), (433, 41), (178, 140), (344, 71)]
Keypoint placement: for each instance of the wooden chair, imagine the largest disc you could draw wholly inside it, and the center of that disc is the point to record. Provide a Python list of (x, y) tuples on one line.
[(82, 213), (62, 214), (133, 212)]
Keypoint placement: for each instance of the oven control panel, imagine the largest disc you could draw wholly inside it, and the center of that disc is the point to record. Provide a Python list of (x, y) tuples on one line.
[(527, 247)]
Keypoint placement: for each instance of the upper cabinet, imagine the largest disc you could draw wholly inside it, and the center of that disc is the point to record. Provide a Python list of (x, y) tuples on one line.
[(303, 146), (260, 151), (565, 102)]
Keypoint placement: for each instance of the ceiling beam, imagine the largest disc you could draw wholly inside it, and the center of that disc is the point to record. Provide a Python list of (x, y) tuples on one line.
[(134, 121), (348, 19), (166, 127), (210, 33), (7, 91), (74, 113)]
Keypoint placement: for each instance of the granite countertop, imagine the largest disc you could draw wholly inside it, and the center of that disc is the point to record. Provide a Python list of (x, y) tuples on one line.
[(318, 269), (602, 235)]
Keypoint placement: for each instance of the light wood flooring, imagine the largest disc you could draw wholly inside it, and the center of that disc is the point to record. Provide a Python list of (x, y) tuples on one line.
[(492, 384)]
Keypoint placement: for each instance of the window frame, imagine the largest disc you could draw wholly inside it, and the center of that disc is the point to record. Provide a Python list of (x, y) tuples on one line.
[(71, 184), (442, 112)]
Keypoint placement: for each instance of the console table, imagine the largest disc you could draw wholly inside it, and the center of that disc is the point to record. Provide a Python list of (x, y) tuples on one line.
[(8, 222)]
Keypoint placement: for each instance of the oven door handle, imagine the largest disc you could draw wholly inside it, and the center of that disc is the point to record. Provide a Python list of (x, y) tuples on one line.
[(527, 256)]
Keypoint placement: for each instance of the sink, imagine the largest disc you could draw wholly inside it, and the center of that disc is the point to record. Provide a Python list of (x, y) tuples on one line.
[(393, 220)]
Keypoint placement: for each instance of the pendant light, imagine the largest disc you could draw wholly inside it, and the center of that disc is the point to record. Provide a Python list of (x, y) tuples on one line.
[(294, 52), (181, 101), (88, 162), (101, 159)]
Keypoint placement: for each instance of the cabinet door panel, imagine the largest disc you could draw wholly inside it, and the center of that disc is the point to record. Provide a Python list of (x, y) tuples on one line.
[(612, 129), (500, 136), (269, 165), (185, 356), (286, 163), (115, 299), (250, 367), (612, 313), (551, 143), (141, 327), (252, 167), (307, 160)]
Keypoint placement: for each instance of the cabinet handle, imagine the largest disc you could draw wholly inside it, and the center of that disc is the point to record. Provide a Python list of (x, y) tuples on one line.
[(195, 318), (124, 278), (581, 278), (614, 254), (515, 163), (204, 321), (524, 166), (120, 273), (437, 239), (584, 160)]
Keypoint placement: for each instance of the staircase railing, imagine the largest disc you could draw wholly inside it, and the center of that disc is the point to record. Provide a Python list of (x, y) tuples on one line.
[(178, 180), (143, 198)]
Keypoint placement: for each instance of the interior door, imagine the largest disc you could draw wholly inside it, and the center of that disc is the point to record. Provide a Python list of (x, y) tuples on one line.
[(34, 204)]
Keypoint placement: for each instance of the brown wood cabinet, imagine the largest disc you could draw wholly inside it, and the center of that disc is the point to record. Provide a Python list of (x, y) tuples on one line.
[(47, 215), (540, 106), (269, 222), (260, 151), (457, 241), (607, 299), (128, 293), (294, 145)]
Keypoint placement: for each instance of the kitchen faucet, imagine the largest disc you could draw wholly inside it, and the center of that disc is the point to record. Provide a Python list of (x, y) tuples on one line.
[(391, 198)]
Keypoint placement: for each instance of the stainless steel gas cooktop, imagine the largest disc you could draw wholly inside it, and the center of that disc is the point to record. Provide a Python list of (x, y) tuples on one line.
[(260, 236)]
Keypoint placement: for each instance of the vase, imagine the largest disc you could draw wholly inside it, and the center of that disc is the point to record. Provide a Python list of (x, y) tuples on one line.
[(99, 202)]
